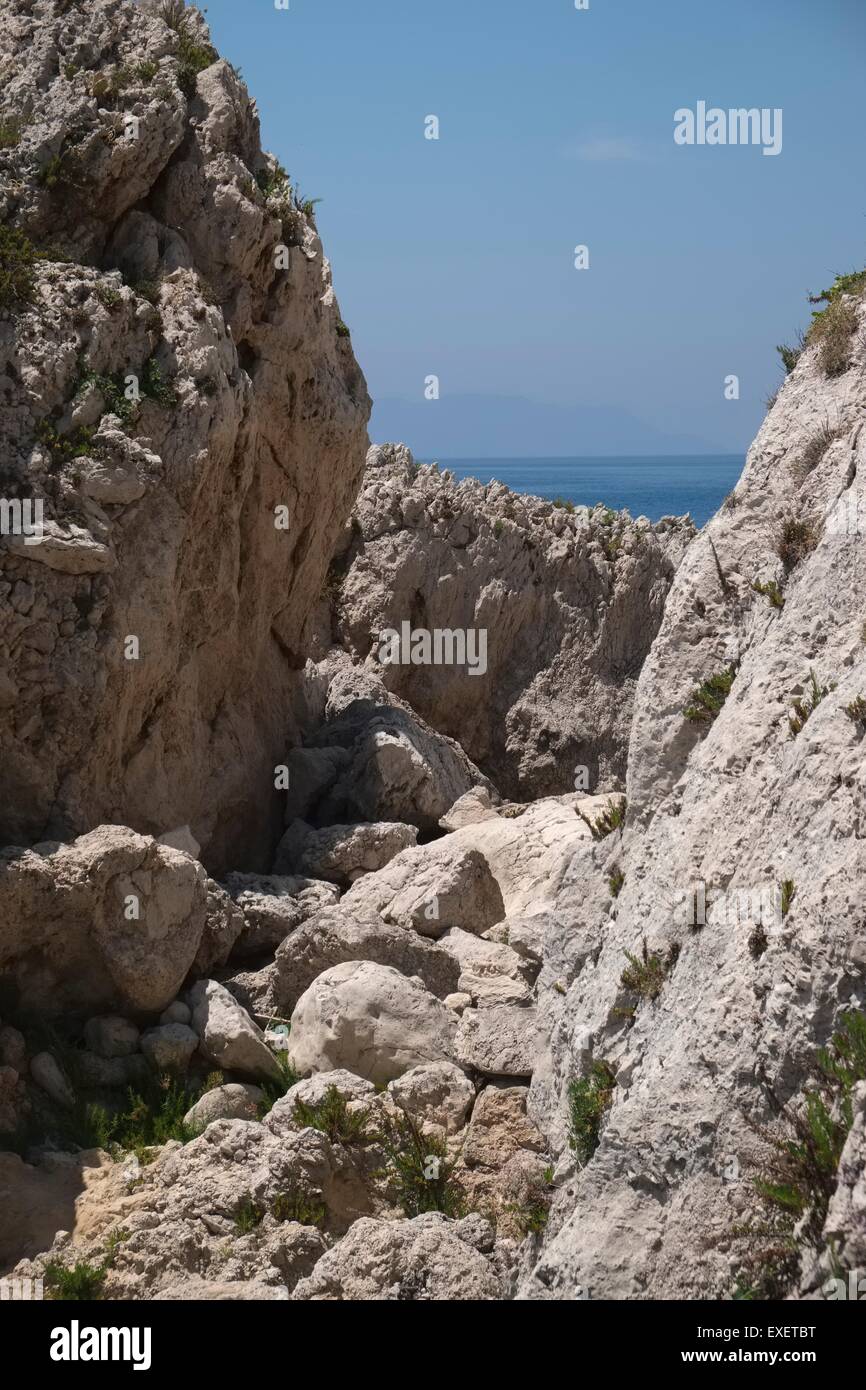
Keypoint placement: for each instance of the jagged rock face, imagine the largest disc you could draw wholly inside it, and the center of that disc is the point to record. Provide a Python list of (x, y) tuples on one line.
[(162, 262), (741, 804), (570, 602)]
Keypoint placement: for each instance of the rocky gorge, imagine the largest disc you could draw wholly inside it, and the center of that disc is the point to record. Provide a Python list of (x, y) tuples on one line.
[(324, 978)]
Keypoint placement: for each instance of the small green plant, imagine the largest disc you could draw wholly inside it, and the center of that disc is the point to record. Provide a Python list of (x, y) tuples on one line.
[(154, 386), (295, 1205), (146, 289), (274, 182), (146, 71), (331, 1115), (10, 132), (78, 1283), (645, 976), (342, 330), (64, 447), (615, 880), (797, 1176), (307, 206), (419, 1170), (274, 1089), (589, 1099), (248, 1215), (611, 818), (815, 450), (193, 56), (109, 296), (856, 712), (796, 537), (770, 589), (707, 699), (17, 259), (791, 355), (114, 1241), (498, 527), (805, 705), (113, 392), (789, 892), (530, 1217), (833, 328)]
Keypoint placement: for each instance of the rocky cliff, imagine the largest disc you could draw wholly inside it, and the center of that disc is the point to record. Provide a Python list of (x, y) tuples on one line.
[(420, 1037), (569, 601), (179, 392), (739, 872)]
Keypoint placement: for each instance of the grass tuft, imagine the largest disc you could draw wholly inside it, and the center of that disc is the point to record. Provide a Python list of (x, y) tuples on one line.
[(707, 699), (589, 1099)]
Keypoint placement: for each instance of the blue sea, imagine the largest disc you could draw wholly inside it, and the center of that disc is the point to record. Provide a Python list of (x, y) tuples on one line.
[(652, 486)]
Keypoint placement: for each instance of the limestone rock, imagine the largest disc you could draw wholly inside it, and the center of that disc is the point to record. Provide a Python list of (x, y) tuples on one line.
[(722, 812), (341, 853), (233, 1101), (422, 1260), (499, 1128), (273, 906), (431, 888), (111, 1036), (371, 1020), (112, 919), (167, 530), (499, 1040), (436, 1092), (342, 934), (228, 1036), (490, 973), (49, 1078), (570, 602), (169, 1047), (398, 769)]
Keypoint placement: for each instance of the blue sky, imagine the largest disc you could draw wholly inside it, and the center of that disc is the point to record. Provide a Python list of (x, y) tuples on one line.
[(456, 257)]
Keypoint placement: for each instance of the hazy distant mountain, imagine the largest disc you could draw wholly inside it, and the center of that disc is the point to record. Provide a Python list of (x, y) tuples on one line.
[(513, 427)]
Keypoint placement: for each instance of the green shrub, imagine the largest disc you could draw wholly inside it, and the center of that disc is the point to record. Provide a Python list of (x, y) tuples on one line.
[(10, 132), (770, 590), (815, 450), (789, 892), (154, 386), (646, 976), (64, 447), (707, 699), (833, 328), (274, 182), (17, 259), (342, 330), (192, 55), (790, 355), (331, 1115), (146, 71), (418, 1168), (856, 712), (80, 1283), (294, 1205), (589, 1100), (611, 818), (797, 1175), (805, 705), (109, 295), (615, 880), (796, 537), (248, 1215)]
